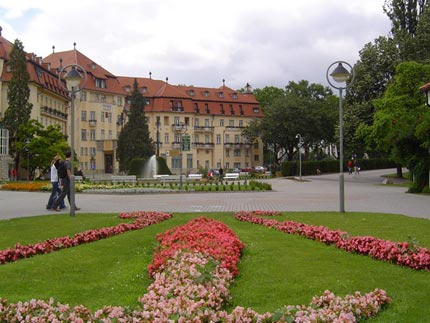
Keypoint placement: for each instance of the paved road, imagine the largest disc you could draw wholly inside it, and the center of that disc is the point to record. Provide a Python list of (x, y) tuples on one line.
[(315, 193)]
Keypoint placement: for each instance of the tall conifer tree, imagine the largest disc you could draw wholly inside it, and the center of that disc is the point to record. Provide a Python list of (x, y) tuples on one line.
[(134, 140), (18, 93)]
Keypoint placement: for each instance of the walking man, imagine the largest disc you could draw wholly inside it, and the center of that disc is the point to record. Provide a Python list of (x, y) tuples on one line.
[(64, 172)]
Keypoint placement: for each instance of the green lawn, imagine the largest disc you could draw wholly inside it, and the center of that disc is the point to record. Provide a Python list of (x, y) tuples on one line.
[(275, 269)]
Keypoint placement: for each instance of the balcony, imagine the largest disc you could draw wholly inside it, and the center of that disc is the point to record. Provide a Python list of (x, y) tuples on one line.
[(203, 145), (179, 127), (53, 112), (234, 128), (92, 123), (176, 145), (204, 128)]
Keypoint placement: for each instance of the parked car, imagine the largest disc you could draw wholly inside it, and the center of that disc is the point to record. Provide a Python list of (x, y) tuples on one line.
[(260, 169)]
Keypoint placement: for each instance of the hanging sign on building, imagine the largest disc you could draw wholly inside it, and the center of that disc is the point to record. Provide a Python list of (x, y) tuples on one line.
[(186, 143)]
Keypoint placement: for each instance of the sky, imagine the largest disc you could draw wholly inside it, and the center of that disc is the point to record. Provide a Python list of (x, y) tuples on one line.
[(202, 42)]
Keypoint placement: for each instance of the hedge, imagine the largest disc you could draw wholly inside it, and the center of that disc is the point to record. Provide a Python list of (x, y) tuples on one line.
[(291, 168)]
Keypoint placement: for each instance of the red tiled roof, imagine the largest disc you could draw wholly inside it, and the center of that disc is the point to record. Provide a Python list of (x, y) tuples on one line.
[(38, 73), (92, 68), (161, 94)]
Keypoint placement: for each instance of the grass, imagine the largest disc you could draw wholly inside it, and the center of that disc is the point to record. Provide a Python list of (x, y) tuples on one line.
[(275, 269)]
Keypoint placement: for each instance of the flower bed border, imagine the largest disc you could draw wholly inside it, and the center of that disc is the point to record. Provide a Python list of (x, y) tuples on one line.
[(399, 253), (142, 220)]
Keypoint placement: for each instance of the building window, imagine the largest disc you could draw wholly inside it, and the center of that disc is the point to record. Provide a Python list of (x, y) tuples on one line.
[(196, 138), (227, 153), (227, 165), (84, 134), (231, 109), (110, 135), (100, 83), (227, 138), (83, 95), (240, 123), (221, 106), (218, 139), (92, 134), (207, 139), (256, 157), (220, 94), (92, 115), (207, 123), (166, 121), (189, 161), (176, 105), (246, 152), (231, 123), (166, 138), (206, 93), (83, 115), (221, 122), (176, 162), (256, 145), (236, 139), (102, 134), (256, 110), (119, 100), (196, 122), (110, 117), (176, 120), (102, 117), (92, 151), (237, 152), (207, 108)]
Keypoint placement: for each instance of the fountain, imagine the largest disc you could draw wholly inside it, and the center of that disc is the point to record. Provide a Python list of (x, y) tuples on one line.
[(150, 169)]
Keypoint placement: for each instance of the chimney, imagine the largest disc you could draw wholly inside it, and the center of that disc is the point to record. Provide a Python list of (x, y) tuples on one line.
[(0, 30)]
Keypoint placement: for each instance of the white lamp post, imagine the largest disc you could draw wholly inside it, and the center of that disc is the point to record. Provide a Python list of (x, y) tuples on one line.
[(73, 78), (340, 75), (299, 136)]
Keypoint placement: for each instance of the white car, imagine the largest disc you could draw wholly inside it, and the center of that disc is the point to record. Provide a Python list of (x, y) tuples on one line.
[(260, 168)]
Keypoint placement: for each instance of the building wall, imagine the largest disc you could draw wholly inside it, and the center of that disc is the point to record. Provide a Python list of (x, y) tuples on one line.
[(97, 128), (215, 141)]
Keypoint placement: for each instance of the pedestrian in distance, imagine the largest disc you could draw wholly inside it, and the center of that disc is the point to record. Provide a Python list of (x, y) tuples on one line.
[(356, 167), (64, 172), (349, 165), (55, 184)]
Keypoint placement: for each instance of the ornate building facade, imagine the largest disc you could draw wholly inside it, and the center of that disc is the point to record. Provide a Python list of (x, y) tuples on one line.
[(209, 120)]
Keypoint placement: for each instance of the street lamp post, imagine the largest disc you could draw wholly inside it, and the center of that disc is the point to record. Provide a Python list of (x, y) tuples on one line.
[(340, 75), (299, 136), (27, 142), (183, 148), (73, 78)]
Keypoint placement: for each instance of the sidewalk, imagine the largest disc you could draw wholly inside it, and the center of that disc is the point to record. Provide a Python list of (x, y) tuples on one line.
[(363, 193)]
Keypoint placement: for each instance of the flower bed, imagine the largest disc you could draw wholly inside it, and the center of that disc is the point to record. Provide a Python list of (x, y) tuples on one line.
[(143, 219), (401, 253), (191, 284), (26, 186)]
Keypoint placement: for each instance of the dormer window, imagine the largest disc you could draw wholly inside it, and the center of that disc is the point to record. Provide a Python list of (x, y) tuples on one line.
[(220, 94), (206, 93), (234, 95), (176, 105), (93, 66), (231, 109), (191, 92), (127, 88), (241, 110), (222, 109), (8, 68), (100, 83), (144, 90), (256, 110), (207, 108)]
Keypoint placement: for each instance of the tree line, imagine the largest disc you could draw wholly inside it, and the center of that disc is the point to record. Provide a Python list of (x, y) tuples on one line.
[(385, 113)]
